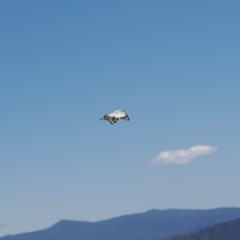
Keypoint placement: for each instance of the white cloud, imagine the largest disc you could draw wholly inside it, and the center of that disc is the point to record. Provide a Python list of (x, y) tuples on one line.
[(182, 156)]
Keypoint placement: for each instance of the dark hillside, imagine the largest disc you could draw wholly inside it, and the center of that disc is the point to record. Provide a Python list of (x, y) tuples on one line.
[(224, 231)]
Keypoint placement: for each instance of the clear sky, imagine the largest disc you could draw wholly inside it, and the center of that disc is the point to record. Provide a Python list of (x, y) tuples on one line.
[(173, 65)]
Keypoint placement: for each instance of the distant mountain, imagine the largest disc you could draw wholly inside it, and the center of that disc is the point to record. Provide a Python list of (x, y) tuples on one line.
[(229, 230), (153, 224), (224, 231)]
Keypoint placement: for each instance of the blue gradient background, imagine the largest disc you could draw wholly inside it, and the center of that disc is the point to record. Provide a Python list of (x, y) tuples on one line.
[(174, 66)]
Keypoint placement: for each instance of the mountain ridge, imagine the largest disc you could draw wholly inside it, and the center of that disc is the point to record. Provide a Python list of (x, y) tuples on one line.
[(152, 224), (229, 230)]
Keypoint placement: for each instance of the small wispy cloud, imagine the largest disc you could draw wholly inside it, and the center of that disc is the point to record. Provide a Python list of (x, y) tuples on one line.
[(182, 156)]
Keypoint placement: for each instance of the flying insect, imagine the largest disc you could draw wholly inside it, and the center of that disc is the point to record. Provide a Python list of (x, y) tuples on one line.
[(115, 116)]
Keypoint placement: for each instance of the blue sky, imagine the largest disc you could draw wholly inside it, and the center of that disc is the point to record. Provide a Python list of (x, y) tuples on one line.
[(174, 67)]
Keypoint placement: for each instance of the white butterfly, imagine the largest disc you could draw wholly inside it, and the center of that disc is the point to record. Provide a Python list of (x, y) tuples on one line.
[(115, 116)]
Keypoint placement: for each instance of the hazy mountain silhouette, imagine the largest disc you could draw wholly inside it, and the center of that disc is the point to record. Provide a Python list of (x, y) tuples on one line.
[(224, 231), (229, 230), (153, 224)]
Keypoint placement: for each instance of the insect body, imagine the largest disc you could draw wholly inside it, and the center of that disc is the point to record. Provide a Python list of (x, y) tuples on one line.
[(115, 116)]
